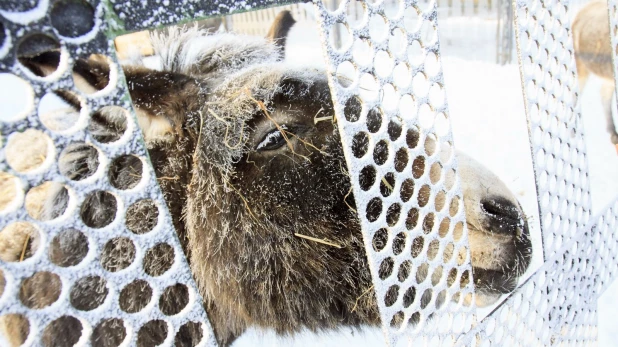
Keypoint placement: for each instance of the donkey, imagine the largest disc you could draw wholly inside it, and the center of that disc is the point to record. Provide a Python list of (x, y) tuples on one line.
[(235, 126), (593, 54)]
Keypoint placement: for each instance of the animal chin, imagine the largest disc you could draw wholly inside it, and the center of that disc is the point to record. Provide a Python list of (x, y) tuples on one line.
[(498, 260), (492, 284), (483, 299)]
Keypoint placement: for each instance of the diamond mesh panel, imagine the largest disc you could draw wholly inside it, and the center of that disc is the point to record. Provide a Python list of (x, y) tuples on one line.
[(88, 37), (606, 243), (557, 306), (401, 161), (549, 82)]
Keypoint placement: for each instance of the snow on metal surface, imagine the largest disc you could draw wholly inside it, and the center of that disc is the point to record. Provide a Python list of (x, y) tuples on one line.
[(88, 39), (557, 306), (408, 39), (549, 81)]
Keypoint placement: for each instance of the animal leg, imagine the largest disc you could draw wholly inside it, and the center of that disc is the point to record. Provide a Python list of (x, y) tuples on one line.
[(607, 93), (582, 73)]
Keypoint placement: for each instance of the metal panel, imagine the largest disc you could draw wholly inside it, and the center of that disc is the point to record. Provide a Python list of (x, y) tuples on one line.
[(549, 82), (381, 94), (19, 26)]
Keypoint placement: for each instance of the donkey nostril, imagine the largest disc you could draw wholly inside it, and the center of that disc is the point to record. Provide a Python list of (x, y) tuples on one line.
[(503, 216), (499, 206)]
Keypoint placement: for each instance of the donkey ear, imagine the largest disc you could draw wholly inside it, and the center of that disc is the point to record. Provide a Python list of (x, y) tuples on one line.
[(90, 75), (42, 63), (162, 100), (280, 28)]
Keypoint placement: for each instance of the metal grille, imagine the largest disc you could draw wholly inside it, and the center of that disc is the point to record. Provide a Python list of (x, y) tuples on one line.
[(558, 304), (408, 41), (553, 306), (549, 82), (104, 305)]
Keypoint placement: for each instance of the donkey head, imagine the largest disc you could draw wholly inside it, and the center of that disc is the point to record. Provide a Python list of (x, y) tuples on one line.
[(261, 173)]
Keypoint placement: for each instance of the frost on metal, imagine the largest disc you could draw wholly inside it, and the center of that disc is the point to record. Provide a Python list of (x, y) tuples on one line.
[(78, 32), (557, 306), (144, 14), (409, 38), (549, 81), (551, 307)]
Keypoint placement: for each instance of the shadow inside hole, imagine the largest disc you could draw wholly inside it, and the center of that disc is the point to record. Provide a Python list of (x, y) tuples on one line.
[(174, 299), (189, 334), (40, 290), (135, 296), (152, 333), (67, 329), (88, 293), (72, 18), (40, 54)]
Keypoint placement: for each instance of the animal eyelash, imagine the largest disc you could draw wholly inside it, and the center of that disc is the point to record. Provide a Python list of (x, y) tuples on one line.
[(272, 139)]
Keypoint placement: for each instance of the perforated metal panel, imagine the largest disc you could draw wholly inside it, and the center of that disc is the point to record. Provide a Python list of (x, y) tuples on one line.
[(104, 305), (555, 305), (549, 82), (408, 37)]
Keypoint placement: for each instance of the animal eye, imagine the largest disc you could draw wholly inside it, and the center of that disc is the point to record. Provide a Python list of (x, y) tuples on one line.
[(273, 140)]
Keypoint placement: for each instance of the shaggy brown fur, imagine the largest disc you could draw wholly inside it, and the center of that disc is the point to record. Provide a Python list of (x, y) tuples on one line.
[(251, 168)]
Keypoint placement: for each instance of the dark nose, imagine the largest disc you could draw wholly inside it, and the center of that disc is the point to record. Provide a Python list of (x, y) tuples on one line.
[(503, 217)]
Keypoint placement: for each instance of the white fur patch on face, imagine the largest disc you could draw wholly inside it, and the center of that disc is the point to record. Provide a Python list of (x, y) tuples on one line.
[(153, 128), (488, 251)]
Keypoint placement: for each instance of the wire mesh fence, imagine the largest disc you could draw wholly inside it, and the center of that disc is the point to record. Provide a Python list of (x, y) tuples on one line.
[(400, 157)]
